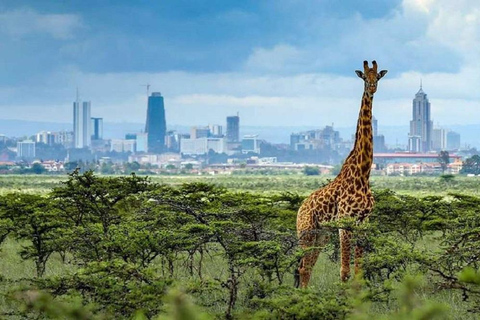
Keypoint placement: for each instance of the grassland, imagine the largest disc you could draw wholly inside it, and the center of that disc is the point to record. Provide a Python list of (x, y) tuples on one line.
[(414, 185)]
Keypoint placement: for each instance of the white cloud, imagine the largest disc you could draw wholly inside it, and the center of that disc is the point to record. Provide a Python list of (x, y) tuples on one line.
[(280, 58), (22, 22), (286, 84), (303, 99)]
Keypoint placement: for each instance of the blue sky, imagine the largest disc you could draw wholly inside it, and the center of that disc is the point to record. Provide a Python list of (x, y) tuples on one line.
[(286, 62)]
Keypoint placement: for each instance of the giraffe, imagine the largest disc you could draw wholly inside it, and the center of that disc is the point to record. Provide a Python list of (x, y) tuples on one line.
[(348, 195)]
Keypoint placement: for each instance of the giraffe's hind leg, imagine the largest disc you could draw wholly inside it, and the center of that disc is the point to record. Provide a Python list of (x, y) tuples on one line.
[(312, 241), (345, 251), (359, 249), (358, 258)]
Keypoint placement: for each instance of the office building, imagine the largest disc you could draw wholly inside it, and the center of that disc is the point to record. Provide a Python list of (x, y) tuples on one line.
[(326, 138), (199, 132), (215, 130), (172, 141), (26, 149), (420, 137), (123, 145), (250, 144), (202, 146), (378, 139), (97, 128), (156, 124), (233, 129), (415, 144), (82, 124), (141, 141), (45, 137), (64, 138), (439, 139), (379, 143), (453, 140)]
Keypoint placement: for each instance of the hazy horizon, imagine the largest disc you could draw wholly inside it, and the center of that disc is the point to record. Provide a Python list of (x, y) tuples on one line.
[(394, 135)]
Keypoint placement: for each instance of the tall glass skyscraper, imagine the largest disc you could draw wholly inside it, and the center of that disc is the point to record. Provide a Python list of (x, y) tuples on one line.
[(82, 124), (420, 137), (156, 125), (233, 129)]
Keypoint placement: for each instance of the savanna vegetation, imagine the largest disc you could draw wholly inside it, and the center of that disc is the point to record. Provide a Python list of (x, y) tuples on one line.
[(270, 183), (95, 247)]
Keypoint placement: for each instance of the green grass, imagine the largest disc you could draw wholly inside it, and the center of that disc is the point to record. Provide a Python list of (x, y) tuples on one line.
[(417, 186)]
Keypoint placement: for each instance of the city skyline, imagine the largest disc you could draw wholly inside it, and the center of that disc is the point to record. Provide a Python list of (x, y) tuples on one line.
[(276, 63)]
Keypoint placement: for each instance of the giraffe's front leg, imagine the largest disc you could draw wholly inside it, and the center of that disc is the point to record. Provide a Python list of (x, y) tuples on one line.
[(345, 251), (358, 258), (308, 241)]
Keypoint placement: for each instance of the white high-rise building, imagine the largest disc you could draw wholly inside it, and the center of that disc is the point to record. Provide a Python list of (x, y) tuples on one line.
[(439, 139), (45, 137), (26, 149), (82, 124), (421, 125), (215, 130)]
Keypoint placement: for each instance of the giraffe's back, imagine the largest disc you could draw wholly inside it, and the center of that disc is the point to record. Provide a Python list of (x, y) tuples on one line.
[(320, 206)]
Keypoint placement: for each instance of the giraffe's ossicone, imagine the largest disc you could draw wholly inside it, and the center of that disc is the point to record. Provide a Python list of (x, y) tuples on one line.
[(348, 195)]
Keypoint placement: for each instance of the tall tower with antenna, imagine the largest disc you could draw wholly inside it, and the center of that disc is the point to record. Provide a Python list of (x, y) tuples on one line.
[(420, 136)]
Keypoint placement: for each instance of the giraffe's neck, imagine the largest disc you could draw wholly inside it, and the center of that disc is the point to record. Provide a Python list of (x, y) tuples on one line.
[(362, 153)]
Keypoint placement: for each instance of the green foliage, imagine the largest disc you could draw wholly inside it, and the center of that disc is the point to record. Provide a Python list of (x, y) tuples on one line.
[(447, 178), (311, 171), (289, 303), (127, 241), (471, 165), (444, 160), (32, 218), (37, 168), (131, 167), (114, 287)]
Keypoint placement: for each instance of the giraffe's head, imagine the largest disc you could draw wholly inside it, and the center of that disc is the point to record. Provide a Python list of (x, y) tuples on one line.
[(370, 76)]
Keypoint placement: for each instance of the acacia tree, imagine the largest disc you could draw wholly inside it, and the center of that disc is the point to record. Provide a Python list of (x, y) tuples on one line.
[(444, 160), (94, 205), (471, 165), (33, 218)]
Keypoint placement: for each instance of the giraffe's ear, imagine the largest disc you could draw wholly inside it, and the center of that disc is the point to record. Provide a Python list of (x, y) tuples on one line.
[(381, 74), (360, 74)]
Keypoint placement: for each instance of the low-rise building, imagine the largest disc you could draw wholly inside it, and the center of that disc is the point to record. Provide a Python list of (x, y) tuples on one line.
[(203, 146)]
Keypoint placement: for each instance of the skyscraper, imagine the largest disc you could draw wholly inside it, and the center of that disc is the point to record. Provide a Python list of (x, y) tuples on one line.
[(156, 125), (439, 139), (375, 126), (97, 128), (233, 129), (420, 137), (81, 124), (453, 140)]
